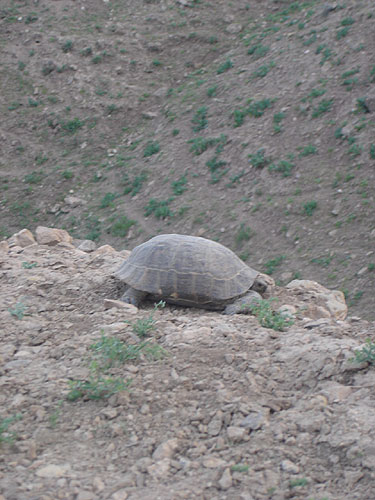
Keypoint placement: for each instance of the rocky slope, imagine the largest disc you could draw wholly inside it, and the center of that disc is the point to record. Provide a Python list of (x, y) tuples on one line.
[(215, 407)]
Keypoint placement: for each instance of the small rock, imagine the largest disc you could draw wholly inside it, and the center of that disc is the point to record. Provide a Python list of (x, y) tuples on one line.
[(160, 468), (73, 201), (119, 304), (53, 471), (225, 482), (166, 449), (24, 238), (85, 495), (52, 236), (4, 246), (104, 249), (213, 462), (87, 246), (120, 495), (236, 434), (253, 421), (289, 466), (234, 28), (214, 427)]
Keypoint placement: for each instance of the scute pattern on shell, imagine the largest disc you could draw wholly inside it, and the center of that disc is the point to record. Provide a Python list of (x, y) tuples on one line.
[(188, 269)]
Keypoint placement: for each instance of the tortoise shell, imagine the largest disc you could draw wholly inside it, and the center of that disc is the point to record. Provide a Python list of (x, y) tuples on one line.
[(187, 270)]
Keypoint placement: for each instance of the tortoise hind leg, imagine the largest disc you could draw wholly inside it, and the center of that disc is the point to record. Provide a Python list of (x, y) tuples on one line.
[(243, 304), (133, 296)]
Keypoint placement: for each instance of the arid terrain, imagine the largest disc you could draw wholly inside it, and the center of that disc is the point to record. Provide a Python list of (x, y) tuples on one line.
[(100, 400), (247, 122)]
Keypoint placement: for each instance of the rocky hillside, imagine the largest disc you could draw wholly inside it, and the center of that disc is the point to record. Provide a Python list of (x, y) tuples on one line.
[(100, 400), (249, 122)]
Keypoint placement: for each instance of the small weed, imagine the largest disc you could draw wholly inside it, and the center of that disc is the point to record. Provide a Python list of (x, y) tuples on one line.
[(239, 116), (277, 119), (323, 107), (225, 66), (342, 33), (175, 132), (371, 266), (355, 150), (179, 186), (272, 264), (29, 265), (159, 208), (322, 261), (96, 387), (72, 126), (107, 200), (258, 50), (244, 234), (7, 436), (201, 144), (258, 159), (362, 106), (156, 62), (257, 108), (67, 46), (308, 150), (240, 468), (298, 482), (152, 147), (54, 417), (18, 311), (309, 207), (269, 318), (133, 187), (262, 71), (199, 120), (67, 174), (284, 167), (121, 226), (34, 177), (366, 354), (144, 326), (372, 151), (212, 91)]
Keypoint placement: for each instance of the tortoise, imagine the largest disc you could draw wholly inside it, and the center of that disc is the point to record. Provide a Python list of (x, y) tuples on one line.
[(190, 271)]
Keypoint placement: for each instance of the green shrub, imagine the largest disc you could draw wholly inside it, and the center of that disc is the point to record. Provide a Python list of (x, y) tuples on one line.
[(179, 186), (159, 208), (152, 147), (309, 207), (225, 66), (121, 226), (366, 353), (258, 160), (268, 318), (284, 167), (271, 264), (199, 120), (323, 107)]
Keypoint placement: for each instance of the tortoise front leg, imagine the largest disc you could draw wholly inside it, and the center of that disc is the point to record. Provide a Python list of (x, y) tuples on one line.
[(133, 296)]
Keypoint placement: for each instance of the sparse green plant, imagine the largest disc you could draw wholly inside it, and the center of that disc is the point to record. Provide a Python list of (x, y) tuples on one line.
[(258, 159), (19, 310), (284, 167), (96, 387), (277, 119), (156, 62), (366, 354), (355, 150), (225, 66), (67, 174), (240, 468), (159, 208), (31, 18), (107, 200), (298, 482), (133, 187), (201, 144), (262, 71), (6, 435), (121, 227), (322, 261), (87, 51), (362, 106), (152, 147), (67, 46), (179, 186), (55, 415), (269, 318), (21, 65), (29, 265), (258, 50), (14, 105), (372, 151), (215, 165), (323, 107), (144, 326), (239, 116), (341, 33), (212, 91), (257, 108), (244, 234), (175, 132), (308, 150), (71, 126), (371, 266), (93, 225), (33, 103), (272, 264), (309, 207), (199, 120), (34, 177)]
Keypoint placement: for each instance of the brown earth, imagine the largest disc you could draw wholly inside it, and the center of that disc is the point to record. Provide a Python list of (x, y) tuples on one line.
[(230, 410), (103, 102)]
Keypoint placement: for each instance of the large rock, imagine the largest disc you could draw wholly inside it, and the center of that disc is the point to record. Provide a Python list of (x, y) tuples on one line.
[(52, 236), (23, 238), (320, 302)]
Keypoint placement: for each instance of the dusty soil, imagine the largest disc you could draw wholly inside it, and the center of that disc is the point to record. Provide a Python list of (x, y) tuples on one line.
[(103, 103), (231, 410)]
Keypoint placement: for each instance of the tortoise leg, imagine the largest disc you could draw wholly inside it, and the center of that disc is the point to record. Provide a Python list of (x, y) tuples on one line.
[(133, 296), (242, 305)]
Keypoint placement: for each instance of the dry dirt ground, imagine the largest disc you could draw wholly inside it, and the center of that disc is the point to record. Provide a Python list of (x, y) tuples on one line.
[(249, 122), (217, 407)]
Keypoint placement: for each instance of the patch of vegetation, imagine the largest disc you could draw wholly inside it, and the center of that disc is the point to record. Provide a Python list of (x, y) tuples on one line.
[(159, 208), (29, 265), (258, 50), (93, 225), (179, 186), (277, 119), (272, 264), (269, 318), (225, 66), (34, 178), (212, 91), (262, 71), (309, 207), (133, 187), (323, 107), (67, 46), (6, 435), (201, 144), (144, 326), (107, 200), (322, 261), (19, 310), (307, 150), (284, 167), (152, 147), (199, 120), (366, 354), (71, 126), (244, 233), (258, 159), (121, 226)]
